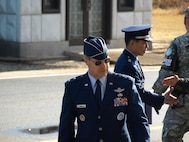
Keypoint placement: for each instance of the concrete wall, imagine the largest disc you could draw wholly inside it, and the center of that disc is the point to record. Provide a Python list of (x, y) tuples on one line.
[(36, 27), (26, 32), (142, 14), (10, 20), (23, 21)]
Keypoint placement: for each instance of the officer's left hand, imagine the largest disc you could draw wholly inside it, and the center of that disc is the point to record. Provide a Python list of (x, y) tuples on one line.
[(170, 99)]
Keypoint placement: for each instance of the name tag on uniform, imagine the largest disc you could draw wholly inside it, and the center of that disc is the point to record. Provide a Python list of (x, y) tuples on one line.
[(81, 106)]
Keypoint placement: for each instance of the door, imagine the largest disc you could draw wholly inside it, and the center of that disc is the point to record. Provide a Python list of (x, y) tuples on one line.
[(95, 18), (84, 18)]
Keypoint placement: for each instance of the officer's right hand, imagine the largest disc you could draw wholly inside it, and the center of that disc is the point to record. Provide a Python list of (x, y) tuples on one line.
[(170, 99)]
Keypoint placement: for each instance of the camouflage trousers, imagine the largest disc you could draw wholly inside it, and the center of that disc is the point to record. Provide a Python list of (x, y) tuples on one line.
[(176, 121)]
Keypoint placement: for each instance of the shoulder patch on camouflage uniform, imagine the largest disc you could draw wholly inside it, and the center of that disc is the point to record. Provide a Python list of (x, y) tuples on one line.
[(170, 60)]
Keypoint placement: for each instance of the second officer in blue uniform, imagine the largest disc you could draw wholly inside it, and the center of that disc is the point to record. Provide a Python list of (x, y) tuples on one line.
[(101, 119), (136, 39)]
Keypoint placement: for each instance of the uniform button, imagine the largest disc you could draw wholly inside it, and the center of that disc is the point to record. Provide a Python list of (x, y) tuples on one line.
[(101, 140), (99, 117), (100, 128)]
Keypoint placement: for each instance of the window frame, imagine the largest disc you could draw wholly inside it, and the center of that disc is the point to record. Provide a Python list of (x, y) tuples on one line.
[(51, 8), (125, 8)]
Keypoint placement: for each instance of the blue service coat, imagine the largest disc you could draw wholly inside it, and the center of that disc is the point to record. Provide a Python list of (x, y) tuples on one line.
[(108, 124), (128, 64)]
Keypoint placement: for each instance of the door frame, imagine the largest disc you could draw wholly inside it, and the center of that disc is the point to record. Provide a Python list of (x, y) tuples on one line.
[(106, 22)]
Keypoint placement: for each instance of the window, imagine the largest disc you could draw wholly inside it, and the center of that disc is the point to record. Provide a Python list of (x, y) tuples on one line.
[(125, 5), (50, 6)]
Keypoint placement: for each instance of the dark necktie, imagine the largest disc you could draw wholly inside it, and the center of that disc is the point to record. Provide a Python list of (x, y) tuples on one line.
[(98, 92)]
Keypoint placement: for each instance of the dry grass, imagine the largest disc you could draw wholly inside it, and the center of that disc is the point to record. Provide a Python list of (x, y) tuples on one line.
[(167, 24), (180, 5)]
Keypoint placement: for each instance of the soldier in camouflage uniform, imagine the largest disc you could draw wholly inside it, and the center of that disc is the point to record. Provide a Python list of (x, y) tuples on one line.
[(176, 61), (181, 84)]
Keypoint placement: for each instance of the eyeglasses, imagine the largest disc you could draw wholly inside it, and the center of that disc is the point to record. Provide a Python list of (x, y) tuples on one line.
[(99, 62)]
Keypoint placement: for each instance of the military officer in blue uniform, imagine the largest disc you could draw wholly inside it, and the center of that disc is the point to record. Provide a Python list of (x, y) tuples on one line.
[(136, 39), (101, 114)]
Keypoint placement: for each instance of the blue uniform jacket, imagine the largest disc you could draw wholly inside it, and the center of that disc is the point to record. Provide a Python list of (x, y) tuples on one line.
[(128, 64), (109, 124)]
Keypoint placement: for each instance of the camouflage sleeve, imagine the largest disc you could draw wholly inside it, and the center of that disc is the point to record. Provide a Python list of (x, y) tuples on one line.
[(168, 68), (158, 87), (183, 85)]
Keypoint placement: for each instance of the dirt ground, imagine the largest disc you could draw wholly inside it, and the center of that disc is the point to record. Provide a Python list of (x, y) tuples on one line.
[(166, 25)]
